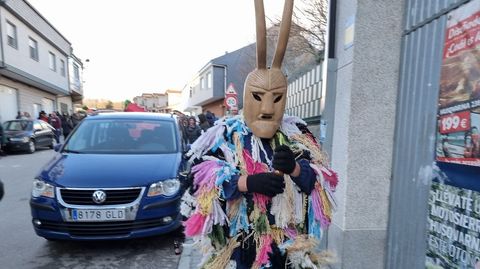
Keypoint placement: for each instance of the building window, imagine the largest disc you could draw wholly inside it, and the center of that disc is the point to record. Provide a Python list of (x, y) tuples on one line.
[(202, 83), (12, 35), (62, 67), (52, 63), (209, 80), (33, 45), (76, 72)]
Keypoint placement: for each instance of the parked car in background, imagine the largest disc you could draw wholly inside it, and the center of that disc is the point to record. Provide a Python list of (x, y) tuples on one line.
[(117, 176), (28, 135)]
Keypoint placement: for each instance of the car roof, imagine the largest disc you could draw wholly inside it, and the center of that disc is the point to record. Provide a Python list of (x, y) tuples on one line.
[(132, 115)]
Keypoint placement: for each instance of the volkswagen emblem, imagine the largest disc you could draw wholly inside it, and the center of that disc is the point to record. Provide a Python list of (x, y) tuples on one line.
[(99, 197)]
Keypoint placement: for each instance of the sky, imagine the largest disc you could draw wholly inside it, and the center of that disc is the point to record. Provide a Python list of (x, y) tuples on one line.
[(146, 46)]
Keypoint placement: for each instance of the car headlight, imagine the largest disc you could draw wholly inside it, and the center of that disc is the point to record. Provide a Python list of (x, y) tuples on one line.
[(20, 139), (167, 187), (41, 188)]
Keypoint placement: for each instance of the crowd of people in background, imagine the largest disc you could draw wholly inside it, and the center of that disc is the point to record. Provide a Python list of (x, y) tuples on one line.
[(63, 123), (191, 130)]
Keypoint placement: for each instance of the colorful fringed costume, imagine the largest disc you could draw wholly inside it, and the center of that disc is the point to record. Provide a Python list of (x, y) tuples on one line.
[(251, 230)]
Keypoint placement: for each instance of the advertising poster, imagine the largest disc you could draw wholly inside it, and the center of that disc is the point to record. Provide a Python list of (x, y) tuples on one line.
[(453, 225), (458, 135)]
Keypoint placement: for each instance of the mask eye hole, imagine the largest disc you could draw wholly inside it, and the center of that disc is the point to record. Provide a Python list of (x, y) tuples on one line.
[(256, 96), (278, 98)]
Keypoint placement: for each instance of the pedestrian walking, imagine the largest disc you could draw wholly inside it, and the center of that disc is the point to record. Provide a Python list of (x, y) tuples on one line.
[(43, 116), (192, 131), (19, 115), (204, 125), (56, 122), (210, 117), (67, 125)]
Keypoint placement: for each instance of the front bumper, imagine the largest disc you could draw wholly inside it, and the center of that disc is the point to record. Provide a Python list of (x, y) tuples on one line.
[(16, 146), (153, 216)]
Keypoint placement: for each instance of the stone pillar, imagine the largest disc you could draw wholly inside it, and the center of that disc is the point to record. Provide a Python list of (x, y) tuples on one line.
[(368, 45)]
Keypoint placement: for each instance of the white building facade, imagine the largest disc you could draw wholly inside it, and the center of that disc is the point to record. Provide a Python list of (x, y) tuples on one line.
[(34, 65)]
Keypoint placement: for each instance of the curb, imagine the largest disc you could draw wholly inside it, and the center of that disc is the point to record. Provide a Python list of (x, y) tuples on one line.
[(185, 257)]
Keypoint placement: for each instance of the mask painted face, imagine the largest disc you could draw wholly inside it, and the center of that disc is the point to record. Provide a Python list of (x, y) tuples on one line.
[(265, 90), (264, 101)]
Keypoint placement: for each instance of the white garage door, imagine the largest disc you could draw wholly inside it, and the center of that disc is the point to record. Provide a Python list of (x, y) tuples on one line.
[(8, 103), (47, 105)]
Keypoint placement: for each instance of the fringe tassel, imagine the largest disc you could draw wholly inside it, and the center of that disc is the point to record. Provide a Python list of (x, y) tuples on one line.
[(205, 201), (314, 228), (223, 258), (317, 154), (261, 224), (264, 247), (289, 127), (261, 201), (326, 210), (257, 146), (239, 221), (283, 205), (278, 235), (206, 141), (187, 204), (194, 225)]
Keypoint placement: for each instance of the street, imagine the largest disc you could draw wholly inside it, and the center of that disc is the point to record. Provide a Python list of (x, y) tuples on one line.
[(21, 248)]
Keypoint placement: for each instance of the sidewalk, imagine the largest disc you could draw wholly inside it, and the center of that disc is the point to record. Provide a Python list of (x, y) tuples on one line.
[(190, 257)]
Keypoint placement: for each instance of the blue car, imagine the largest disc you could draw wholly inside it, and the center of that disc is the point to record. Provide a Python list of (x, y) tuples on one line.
[(118, 176)]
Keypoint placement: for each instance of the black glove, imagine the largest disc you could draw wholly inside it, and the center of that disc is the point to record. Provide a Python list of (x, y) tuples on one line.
[(269, 184), (284, 159)]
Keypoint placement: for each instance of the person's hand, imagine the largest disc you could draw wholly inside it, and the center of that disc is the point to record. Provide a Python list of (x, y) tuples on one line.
[(269, 184), (284, 159)]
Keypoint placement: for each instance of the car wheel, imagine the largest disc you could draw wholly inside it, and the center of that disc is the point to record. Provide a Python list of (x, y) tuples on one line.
[(31, 146), (52, 143)]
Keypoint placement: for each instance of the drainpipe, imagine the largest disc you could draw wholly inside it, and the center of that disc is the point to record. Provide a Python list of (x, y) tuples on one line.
[(2, 65), (329, 81)]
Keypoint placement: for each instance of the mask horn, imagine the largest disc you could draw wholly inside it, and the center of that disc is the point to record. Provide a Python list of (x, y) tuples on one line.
[(284, 33), (261, 35)]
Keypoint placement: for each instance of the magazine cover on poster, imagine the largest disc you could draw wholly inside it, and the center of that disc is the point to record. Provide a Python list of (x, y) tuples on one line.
[(458, 134)]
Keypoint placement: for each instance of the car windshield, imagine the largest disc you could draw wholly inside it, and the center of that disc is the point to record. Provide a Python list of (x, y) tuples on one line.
[(121, 136), (17, 125)]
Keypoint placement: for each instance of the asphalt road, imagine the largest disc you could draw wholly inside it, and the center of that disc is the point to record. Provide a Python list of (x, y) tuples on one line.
[(21, 248)]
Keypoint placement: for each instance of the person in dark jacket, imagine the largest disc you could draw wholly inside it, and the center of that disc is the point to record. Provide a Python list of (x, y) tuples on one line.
[(56, 122), (193, 131), (210, 117), (67, 124), (204, 124)]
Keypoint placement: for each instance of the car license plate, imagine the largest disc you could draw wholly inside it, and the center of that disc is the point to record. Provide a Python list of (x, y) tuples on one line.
[(97, 214)]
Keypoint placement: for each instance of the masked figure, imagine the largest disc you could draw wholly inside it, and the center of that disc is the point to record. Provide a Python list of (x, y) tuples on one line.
[(261, 191)]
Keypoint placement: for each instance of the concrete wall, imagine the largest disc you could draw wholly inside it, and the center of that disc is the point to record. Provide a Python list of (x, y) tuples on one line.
[(365, 102), (27, 95), (216, 107)]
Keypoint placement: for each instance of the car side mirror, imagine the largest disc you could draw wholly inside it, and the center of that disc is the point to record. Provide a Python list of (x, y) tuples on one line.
[(57, 147)]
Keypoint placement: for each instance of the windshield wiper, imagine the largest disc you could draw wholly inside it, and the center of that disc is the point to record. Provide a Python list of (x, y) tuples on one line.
[(72, 151)]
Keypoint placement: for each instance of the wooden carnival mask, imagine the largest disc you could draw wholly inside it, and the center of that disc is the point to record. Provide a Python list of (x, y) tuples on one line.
[(265, 90)]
